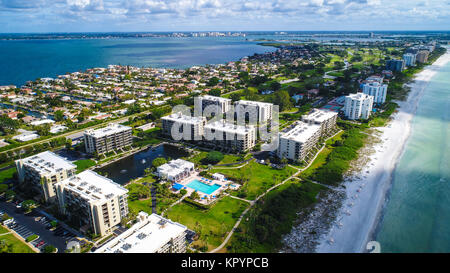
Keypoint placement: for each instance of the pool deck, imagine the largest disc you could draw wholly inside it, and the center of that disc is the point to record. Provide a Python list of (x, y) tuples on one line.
[(207, 198)]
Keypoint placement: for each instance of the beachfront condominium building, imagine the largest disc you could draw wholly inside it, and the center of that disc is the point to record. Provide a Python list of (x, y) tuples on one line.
[(229, 136), (375, 87), (296, 141), (213, 105), (187, 127), (253, 112), (176, 170), (43, 171), (410, 59), (92, 202), (151, 234), (108, 139), (422, 56), (358, 106), (324, 118), (395, 65)]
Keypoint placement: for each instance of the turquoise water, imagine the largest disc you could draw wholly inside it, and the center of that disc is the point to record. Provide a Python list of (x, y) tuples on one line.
[(24, 60), (202, 187), (417, 215)]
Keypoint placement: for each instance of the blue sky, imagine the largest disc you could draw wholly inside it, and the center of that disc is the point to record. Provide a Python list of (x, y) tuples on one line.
[(234, 15)]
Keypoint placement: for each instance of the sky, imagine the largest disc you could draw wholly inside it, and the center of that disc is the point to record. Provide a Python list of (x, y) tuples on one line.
[(26, 16)]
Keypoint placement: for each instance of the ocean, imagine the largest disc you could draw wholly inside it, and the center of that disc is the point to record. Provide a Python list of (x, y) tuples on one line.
[(416, 216), (24, 60)]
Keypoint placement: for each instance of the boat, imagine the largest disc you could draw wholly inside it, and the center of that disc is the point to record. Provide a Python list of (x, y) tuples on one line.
[(123, 171)]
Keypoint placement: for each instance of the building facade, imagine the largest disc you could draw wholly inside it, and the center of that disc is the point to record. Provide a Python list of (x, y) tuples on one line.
[(93, 202), (230, 136), (248, 111), (324, 118), (395, 65), (298, 140), (110, 138), (189, 128), (43, 171), (151, 234), (422, 56), (410, 59), (375, 87), (221, 105), (358, 106)]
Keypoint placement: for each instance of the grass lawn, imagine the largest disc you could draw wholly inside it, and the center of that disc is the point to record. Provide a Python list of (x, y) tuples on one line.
[(261, 177), (7, 174), (212, 225), (17, 245), (84, 164), (140, 205)]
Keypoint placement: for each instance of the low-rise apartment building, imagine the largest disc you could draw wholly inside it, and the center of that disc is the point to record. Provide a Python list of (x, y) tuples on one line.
[(176, 170), (230, 136), (298, 140), (324, 118), (358, 106), (151, 234), (189, 128), (43, 171), (94, 202), (110, 138)]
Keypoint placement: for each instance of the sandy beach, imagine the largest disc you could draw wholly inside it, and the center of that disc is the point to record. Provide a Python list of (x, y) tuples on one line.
[(361, 200)]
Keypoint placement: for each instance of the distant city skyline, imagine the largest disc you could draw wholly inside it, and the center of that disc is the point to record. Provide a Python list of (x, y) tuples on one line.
[(19, 16)]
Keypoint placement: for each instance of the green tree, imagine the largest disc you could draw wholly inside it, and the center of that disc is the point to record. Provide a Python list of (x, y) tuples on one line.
[(158, 162), (59, 115), (213, 157), (283, 100)]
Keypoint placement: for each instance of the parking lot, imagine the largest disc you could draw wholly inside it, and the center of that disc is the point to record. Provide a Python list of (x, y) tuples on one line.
[(26, 225)]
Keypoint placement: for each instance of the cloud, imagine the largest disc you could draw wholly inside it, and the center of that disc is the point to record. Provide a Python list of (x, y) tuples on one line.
[(242, 14)]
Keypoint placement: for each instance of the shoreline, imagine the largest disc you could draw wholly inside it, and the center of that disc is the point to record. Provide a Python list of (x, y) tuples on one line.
[(369, 189), (346, 218)]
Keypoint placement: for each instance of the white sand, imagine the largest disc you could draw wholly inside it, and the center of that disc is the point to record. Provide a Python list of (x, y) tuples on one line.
[(350, 233)]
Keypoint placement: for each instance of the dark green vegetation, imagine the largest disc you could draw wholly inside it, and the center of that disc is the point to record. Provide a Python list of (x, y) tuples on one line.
[(273, 217), (338, 161)]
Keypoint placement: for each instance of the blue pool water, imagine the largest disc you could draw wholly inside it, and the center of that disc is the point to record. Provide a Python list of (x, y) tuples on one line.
[(202, 187)]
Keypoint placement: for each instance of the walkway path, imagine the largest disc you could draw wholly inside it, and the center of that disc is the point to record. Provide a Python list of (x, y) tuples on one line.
[(252, 203), (175, 203)]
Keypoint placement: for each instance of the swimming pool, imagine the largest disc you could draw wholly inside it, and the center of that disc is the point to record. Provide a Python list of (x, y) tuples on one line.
[(202, 187)]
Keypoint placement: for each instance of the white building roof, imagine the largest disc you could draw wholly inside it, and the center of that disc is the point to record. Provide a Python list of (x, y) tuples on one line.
[(229, 127), (48, 162), (112, 128), (146, 236), (358, 96), (179, 117), (319, 115), (301, 132), (40, 122), (214, 98), (92, 186), (175, 167), (255, 103)]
